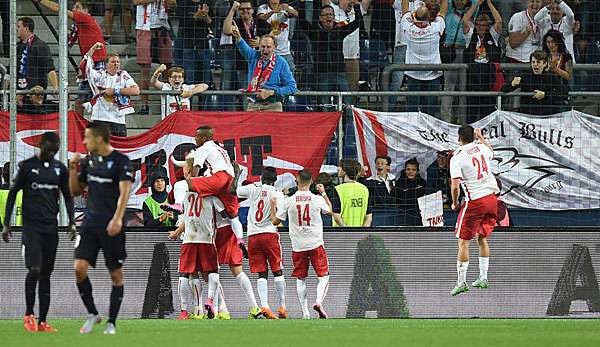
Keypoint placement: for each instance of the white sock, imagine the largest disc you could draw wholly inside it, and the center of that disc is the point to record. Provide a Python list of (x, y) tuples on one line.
[(484, 263), (280, 288), (185, 294), (322, 289), (246, 286), (237, 228), (263, 292), (213, 284), (197, 291), (461, 268), (222, 307), (301, 289)]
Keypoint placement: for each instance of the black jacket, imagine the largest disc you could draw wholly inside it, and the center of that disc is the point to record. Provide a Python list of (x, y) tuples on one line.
[(550, 84), (408, 191), (381, 196), (39, 62), (193, 31)]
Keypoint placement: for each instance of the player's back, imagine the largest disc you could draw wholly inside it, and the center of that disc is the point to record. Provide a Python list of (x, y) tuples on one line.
[(199, 215), (471, 163), (214, 157), (259, 196), (305, 223)]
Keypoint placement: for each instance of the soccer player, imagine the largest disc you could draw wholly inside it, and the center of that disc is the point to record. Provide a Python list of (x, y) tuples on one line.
[(306, 232), (470, 168), (198, 251), (264, 247), (41, 177), (108, 176), (176, 78)]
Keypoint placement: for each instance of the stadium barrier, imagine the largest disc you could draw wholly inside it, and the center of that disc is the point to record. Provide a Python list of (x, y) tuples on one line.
[(534, 272)]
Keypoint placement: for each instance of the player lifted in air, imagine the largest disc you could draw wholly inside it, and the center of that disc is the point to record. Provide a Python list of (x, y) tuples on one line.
[(198, 251), (41, 178), (264, 247), (470, 168), (108, 176), (304, 210)]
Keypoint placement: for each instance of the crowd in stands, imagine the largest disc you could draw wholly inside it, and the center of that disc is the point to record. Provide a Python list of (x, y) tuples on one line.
[(331, 45)]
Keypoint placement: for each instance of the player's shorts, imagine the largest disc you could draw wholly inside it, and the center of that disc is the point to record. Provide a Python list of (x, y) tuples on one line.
[(198, 257), (147, 40), (39, 249), (477, 217), (227, 247), (91, 240), (264, 249), (317, 257), (218, 185)]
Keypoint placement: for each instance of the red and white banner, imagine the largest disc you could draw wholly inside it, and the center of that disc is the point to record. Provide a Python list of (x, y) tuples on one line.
[(288, 141), (543, 162)]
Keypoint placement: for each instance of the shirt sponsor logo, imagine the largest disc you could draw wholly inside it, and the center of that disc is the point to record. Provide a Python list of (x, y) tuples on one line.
[(35, 171), (92, 178), (36, 186)]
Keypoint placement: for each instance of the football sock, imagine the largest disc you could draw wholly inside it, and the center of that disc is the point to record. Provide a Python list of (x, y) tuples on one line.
[(222, 307), (85, 291), (280, 288), (44, 296), (301, 289), (213, 284), (237, 228), (322, 287), (263, 292), (30, 284), (116, 297), (461, 268), (246, 286), (484, 263), (196, 291), (185, 293)]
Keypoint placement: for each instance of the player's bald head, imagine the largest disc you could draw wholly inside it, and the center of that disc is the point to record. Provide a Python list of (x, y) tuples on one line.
[(203, 133)]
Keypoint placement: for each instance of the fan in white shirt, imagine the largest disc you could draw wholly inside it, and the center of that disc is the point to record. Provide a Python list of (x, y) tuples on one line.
[(524, 33), (278, 16), (557, 16), (176, 77)]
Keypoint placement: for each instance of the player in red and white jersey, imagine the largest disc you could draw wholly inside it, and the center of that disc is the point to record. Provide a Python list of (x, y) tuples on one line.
[(470, 168), (264, 248), (304, 210)]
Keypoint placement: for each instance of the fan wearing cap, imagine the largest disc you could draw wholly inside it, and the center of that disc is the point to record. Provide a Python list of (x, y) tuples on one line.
[(151, 208)]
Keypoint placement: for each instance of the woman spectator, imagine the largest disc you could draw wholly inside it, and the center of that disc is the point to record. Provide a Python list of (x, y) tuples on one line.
[(559, 60), (483, 53), (409, 187), (153, 214)]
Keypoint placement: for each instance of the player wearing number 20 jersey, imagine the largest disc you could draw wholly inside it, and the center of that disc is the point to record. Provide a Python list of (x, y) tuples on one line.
[(470, 166)]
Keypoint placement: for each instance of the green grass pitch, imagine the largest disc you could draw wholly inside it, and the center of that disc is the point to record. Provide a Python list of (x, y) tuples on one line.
[(333, 332)]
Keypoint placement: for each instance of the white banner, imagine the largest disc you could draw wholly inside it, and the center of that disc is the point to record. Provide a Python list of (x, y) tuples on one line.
[(543, 162), (432, 209)]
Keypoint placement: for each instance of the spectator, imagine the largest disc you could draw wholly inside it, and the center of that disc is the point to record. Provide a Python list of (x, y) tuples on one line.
[(269, 74), (483, 54), (344, 15), (409, 187), (35, 66), (126, 17), (176, 78), (381, 185), (523, 33), (86, 31), (112, 90), (351, 200), (559, 60), (192, 44), (5, 176), (153, 214), (423, 43), (327, 181), (327, 41), (153, 39), (549, 91), (5, 15), (37, 103), (557, 16), (277, 15), (454, 44), (587, 50), (382, 22), (509, 7), (438, 176)]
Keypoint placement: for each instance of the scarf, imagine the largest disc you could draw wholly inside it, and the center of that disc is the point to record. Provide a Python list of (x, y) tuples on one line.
[(73, 35), (261, 75), (24, 62)]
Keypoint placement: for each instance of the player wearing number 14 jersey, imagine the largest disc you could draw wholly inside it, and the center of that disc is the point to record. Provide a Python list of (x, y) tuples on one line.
[(470, 168)]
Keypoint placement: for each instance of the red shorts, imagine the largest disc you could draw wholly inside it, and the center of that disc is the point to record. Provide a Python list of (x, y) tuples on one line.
[(198, 257), (477, 217), (317, 257), (218, 185), (144, 46), (264, 248), (227, 248)]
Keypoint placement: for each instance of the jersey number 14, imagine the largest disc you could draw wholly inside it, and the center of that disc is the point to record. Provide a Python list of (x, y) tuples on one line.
[(303, 215)]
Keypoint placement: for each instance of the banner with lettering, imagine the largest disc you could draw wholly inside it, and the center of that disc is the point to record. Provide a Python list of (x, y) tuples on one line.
[(288, 141), (543, 162)]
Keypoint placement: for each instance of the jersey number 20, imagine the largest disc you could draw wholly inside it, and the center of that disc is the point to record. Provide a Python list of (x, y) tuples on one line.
[(195, 205), (481, 167)]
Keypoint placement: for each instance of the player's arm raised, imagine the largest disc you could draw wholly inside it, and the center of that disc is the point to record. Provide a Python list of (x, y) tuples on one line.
[(482, 139), (77, 182)]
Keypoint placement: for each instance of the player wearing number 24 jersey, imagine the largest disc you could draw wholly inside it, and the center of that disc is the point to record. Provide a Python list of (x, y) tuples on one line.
[(470, 168)]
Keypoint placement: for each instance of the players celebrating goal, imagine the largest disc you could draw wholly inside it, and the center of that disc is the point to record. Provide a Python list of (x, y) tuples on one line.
[(469, 168)]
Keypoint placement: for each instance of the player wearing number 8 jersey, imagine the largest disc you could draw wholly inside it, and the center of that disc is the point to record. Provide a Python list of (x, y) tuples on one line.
[(264, 248), (306, 232), (470, 168)]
